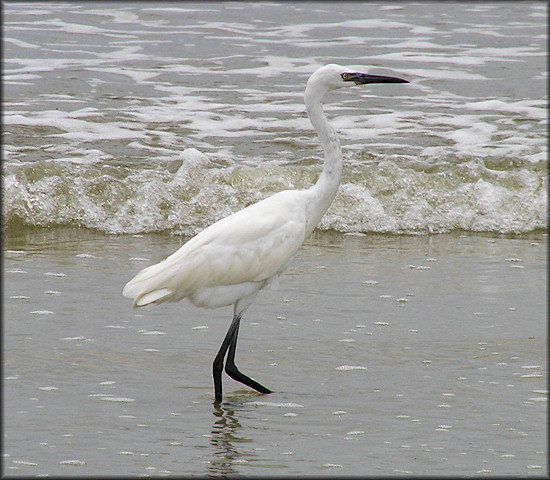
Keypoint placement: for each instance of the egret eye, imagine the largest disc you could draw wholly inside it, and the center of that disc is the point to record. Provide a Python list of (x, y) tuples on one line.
[(345, 76)]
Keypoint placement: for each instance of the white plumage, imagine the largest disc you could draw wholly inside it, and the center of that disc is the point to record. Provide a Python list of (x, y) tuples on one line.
[(234, 257), (231, 260)]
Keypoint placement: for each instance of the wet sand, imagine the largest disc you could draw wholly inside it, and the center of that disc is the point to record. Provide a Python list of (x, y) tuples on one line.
[(388, 355)]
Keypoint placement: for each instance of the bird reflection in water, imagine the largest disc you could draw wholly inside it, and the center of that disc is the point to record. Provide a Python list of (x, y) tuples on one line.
[(226, 441)]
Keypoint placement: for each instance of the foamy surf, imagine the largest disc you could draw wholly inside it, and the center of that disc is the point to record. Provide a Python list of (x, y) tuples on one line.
[(399, 196), (118, 138)]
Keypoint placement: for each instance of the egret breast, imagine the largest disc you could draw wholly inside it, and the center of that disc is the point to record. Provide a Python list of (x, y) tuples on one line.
[(223, 295)]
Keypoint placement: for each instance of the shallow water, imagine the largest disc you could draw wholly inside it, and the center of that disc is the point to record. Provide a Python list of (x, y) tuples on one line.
[(388, 355), (100, 101)]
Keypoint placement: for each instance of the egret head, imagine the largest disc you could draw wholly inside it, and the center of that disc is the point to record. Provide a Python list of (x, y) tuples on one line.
[(334, 76)]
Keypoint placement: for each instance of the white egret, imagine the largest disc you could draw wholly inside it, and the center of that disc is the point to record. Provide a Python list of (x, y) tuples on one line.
[(231, 260)]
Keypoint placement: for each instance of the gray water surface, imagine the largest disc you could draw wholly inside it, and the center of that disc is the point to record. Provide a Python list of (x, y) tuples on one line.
[(387, 356)]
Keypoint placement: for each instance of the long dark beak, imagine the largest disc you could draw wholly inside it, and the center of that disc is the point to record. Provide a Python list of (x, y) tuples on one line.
[(364, 78)]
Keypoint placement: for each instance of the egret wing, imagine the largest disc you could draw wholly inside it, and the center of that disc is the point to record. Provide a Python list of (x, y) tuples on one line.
[(251, 245)]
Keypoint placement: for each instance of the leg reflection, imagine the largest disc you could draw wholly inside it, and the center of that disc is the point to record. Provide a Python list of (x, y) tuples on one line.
[(225, 441)]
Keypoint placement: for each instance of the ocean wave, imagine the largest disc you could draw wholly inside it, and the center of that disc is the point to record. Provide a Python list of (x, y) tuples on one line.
[(93, 135), (397, 195)]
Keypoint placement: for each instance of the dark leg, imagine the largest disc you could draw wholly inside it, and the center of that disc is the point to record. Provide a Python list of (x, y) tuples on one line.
[(230, 342), (217, 366), (232, 370)]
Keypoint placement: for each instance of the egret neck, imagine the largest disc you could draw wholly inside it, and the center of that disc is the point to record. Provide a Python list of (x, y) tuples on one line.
[(324, 190)]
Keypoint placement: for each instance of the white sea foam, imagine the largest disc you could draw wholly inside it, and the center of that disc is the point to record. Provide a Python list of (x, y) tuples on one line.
[(94, 136), (350, 367), (275, 404), (528, 108)]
